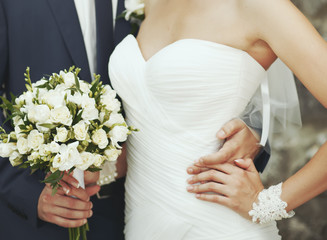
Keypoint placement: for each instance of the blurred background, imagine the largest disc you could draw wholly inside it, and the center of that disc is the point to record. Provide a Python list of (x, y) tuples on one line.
[(294, 148)]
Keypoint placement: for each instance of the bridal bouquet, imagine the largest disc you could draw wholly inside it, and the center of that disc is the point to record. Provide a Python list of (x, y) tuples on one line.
[(64, 124)]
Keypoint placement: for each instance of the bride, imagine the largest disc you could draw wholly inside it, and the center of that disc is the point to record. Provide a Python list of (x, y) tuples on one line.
[(193, 66)]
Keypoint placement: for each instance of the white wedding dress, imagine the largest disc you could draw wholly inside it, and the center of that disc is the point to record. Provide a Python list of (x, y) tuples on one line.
[(178, 99)]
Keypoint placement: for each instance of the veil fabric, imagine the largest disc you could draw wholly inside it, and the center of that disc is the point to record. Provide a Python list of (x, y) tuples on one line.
[(276, 101)]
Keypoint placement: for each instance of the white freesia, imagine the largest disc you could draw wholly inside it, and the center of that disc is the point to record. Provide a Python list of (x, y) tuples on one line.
[(100, 138), (33, 156), (39, 83), (114, 118), (81, 130), (134, 6), (118, 134), (22, 145), (35, 139), (62, 134), (6, 149), (87, 160), (84, 86), (15, 158), (76, 98), (43, 150), (87, 102), (38, 113), (112, 154), (61, 115), (41, 128), (69, 78), (67, 157)]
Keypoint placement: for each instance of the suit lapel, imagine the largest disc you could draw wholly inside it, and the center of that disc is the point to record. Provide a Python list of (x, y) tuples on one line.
[(64, 12), (122, 28)]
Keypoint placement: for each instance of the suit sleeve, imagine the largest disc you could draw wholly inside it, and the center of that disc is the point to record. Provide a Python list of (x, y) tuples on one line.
[(253, 119), (19, 190)]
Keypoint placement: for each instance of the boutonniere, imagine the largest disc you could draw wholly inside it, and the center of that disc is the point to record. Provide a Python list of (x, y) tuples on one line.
[(134, 11)]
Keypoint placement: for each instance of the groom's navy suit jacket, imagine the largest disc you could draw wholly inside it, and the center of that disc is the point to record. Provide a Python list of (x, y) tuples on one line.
[(46, 36)]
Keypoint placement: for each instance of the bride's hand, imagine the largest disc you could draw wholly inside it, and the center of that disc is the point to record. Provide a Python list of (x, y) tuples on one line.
[(241, 142), (236, 187)]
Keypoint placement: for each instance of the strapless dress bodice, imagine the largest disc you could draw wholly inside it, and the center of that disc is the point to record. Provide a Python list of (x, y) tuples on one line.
[(178, 99)]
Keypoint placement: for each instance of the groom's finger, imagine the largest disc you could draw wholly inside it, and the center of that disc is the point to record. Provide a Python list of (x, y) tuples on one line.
[(64, 222), (79, 193), (67, 202), (70, 213), (222, 156)]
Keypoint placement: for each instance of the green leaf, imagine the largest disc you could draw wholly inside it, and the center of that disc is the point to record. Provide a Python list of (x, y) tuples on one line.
[(54, 177), (94, 169), (49, 125)]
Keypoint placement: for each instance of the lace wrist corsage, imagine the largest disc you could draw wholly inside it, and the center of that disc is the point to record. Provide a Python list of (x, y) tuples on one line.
[(270, 207)]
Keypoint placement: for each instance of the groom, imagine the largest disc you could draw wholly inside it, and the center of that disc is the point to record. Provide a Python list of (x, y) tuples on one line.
[(50, 35)]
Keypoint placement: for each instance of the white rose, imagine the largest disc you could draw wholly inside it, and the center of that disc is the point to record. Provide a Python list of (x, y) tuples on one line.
[(100, 138), (90, 114), (87, 160), (53, 147), (6, 149), (118, 134), (134, 6), (62, 134), (114, 118), (112, 105), (98, 160), (54, 98), (67, 157), (15, 158), (69, 78), (35, 139), (112, 154), (61, 115), (22, 145), (38, 113), (80, 130)]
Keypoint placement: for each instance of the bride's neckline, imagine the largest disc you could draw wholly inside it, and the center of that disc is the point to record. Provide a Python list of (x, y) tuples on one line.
[(195, 40)]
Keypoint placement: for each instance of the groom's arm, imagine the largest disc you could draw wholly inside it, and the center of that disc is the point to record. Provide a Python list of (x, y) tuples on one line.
[(18, 190)]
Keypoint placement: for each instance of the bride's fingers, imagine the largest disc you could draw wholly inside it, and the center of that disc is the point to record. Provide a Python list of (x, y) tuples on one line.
[(209, 176), (208, 187), (196, 170), (215, 198)]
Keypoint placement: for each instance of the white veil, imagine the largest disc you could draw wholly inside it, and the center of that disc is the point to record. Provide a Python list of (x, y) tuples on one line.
[(277, 101)]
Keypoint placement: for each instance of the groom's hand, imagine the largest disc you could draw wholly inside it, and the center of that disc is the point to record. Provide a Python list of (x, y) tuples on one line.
[(62, 209), (240, 143)]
